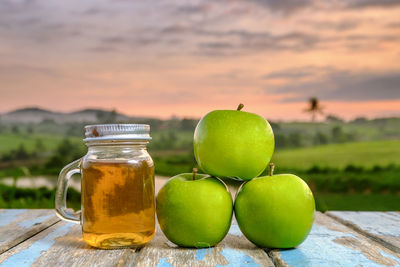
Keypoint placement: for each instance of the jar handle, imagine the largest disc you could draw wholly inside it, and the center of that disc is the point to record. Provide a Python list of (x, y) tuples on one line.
[(61, 193)]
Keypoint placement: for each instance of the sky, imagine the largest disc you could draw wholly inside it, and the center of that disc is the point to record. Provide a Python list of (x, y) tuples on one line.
[(186, 58)]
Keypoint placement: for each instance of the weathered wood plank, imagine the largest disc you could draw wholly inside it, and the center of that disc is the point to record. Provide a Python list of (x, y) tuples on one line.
[(383, 227), (234, 250), (62, 245), (331, 243), (19, 225)]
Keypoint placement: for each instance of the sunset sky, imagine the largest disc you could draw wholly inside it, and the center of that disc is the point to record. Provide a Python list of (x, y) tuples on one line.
[(185, 58)]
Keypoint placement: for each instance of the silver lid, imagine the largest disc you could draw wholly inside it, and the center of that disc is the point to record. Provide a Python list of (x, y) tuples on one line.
[(110, 132)]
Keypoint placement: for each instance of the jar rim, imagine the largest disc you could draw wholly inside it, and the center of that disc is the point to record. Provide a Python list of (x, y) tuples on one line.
[(109, 132)]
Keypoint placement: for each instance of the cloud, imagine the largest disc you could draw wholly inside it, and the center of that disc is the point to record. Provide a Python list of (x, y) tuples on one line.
[(193, 9), (393, 25), (368, 42), (217, 42), (298, 73), (374, 3), (123, 42), (329, 83), (136, 26), (234, 41), (18, 70), (338, 26), (135, 40), (94, 11), (254, 42), (103, 49), (9, 6), (33, 22), (216, 45), (284, 6), (237, 8), (174, 29)]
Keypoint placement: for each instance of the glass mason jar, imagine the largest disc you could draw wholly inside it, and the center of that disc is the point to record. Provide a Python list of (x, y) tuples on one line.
[(117, 187)]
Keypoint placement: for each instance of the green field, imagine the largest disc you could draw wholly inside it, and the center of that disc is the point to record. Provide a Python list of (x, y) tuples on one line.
[(366, 155), (363, 175), (176, 140), (363, 154), (10, 141), (357, 201), (369, 130)]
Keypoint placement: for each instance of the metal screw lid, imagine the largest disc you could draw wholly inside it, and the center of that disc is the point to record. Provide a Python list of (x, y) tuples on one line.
[(110, 132)]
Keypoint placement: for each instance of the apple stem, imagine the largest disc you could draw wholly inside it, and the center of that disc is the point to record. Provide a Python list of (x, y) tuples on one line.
[(240, 106), (194, 173), (271, 169)]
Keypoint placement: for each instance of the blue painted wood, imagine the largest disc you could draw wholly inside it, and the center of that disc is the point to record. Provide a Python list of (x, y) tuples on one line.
[(61, 245), (19, 225), (234, 250), (383, 227), (202, 252), (321, 249), (330, 243), (237, 258), (28, 256), (232, 256), (377, 223), (163, 263), (333, 244), (9, 216), (35, 221), (235, 230)]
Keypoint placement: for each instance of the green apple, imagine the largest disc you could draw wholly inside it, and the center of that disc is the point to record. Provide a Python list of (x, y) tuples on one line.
[(233, 143), (194, 210), (275, 211)]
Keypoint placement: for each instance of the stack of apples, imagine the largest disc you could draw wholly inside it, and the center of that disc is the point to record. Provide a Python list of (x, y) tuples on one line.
[(195, 210)]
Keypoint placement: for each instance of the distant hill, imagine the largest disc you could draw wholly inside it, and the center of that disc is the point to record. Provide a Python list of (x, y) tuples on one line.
[(37, 115)]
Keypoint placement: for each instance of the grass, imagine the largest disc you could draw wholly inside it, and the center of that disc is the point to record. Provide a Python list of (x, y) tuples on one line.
[(375, 181), (173, 164), (10, 141), (357, 201), (171, 140), (364, 154), (12, 197), (338, 156), (378, 129)]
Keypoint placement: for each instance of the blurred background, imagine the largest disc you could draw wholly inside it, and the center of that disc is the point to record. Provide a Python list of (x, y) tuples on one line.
[(325, 74)]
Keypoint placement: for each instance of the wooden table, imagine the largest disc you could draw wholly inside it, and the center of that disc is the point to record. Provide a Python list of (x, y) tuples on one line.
[(39, 238)]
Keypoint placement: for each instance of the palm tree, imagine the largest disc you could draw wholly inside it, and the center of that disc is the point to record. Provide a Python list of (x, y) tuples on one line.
[(314, 108)]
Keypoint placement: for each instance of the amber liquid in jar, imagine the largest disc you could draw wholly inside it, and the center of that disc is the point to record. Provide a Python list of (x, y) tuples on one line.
[(118, 208)]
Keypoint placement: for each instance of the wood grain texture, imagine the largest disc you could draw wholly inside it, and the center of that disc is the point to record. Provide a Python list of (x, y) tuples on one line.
[(19, 225), (234, 250), (382, 227), (62, 245), (331, 243)]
